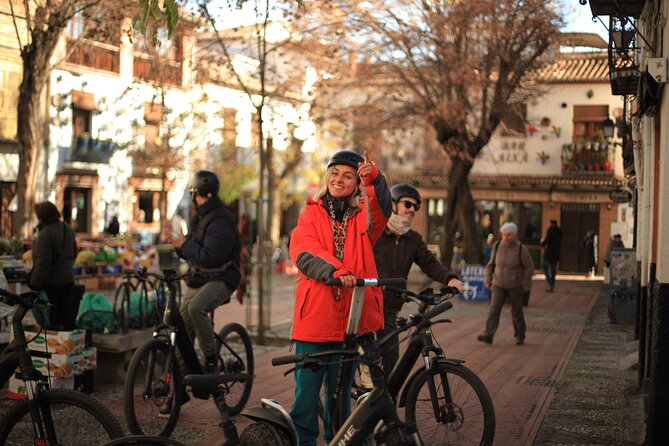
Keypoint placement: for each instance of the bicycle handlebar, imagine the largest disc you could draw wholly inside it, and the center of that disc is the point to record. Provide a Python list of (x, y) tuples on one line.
[(290, 359), (143, 273), (420, 321), (397, 281), (27, 299)]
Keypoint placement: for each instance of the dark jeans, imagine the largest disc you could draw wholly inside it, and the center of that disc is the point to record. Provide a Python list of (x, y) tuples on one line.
[(550, 271), (62, 314)]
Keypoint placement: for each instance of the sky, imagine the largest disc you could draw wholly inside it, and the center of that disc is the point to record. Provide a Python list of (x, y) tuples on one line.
[(578, 17)]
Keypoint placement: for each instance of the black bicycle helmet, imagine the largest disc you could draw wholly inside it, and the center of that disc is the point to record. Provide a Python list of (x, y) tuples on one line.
[(347, 158), (205, 183), (404, 190)]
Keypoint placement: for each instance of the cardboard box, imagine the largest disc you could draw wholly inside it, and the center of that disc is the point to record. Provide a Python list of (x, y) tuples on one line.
[(59, 366), (59, 342), (89, 359), (106, 282), (17, 389), (90, 283)]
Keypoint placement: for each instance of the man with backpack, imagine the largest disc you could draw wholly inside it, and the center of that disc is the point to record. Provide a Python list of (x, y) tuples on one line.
[(509, 276)]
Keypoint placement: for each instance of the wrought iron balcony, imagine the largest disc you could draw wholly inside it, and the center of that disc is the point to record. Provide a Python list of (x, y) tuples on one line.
[(625, 8), (589, 158), (91, 150)]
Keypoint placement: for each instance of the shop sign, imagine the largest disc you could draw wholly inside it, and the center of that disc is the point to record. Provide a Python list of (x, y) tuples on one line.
[(473, 278), (621, 195)]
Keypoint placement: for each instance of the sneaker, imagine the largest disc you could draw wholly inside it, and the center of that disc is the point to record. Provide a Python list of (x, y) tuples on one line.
[(520, 341), (166, 408), (484, 338)]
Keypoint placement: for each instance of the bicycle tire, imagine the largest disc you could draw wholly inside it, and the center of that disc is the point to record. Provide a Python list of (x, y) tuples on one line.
[(472, 419), (122, 296), (262, 433), (72, 413), (234, 338), (145, 385), (143, 440)]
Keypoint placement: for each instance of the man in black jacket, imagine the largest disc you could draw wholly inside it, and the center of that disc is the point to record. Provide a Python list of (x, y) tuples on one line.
[(212, 243), (551, 244), (395, 251)]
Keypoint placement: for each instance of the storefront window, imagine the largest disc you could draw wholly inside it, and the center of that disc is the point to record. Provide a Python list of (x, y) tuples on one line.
[(491, 215), (435, 220)]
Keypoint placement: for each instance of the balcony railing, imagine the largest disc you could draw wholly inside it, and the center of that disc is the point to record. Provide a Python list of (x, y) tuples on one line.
[(149, 69), (587, 158), (91, 150), (94, 55)]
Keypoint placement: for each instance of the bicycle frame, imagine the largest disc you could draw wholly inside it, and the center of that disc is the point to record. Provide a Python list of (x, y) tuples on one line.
[(175, 328), (420, 345)]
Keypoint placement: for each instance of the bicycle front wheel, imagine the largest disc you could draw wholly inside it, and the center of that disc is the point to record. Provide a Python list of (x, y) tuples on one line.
[(236, 356), (466, 417), (153, 390), (65, 415)]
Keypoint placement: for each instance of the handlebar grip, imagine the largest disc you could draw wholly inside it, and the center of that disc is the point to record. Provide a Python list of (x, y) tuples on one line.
[(397, 281), (449, 290), (290, 359)]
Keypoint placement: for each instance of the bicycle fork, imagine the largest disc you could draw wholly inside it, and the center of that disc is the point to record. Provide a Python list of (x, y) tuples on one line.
[(442, 414)]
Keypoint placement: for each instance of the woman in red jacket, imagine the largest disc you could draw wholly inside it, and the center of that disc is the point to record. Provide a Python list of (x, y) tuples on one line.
[(333, 239)]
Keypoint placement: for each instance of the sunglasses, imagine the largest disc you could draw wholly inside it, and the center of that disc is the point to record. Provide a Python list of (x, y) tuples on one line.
[(410, 204)]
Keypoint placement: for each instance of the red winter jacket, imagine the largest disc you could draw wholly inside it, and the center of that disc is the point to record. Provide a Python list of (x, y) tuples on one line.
[(318, 317)]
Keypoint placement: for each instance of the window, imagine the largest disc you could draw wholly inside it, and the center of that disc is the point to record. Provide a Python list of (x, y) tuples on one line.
[(81, 123), (491, 215), (77, 208), (230, 128), (10, 81), (588, 121), (148, 207)]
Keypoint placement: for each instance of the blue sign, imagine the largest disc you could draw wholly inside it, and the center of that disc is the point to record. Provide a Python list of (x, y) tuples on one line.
[(473, 277)]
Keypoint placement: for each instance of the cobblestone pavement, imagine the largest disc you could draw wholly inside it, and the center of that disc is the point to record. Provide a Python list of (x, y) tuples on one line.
[(596, 402)]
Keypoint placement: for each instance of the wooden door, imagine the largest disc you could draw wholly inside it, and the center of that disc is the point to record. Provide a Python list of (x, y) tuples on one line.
[(576, 220)]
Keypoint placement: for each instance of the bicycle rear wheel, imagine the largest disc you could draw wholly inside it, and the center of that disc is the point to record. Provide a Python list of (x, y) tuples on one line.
[(71, 414), (469, 417), (151, 386), (236, 356)]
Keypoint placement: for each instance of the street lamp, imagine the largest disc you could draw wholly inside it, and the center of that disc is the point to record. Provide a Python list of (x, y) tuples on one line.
[(608, 126)]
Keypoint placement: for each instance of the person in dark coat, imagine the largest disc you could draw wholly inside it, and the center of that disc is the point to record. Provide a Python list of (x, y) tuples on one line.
[(551, 243), (54, 251), (395, 251), (212, 243), (113, 227)]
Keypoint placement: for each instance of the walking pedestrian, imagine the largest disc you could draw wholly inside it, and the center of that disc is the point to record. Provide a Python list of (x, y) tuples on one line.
[(590, 245), (54, 251), (395, 251), (508, 275), (551, 243), (333, 238)]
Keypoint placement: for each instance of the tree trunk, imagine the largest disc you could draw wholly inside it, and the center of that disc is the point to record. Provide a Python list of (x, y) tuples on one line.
[(460, 209), (29, 94)]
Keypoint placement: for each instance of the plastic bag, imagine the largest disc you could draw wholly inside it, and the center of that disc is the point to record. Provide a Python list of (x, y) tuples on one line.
[(96, 313), (41, 311), (148, 304)]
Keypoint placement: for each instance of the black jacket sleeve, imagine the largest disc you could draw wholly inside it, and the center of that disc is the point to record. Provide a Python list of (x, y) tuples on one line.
[(428, 262)]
